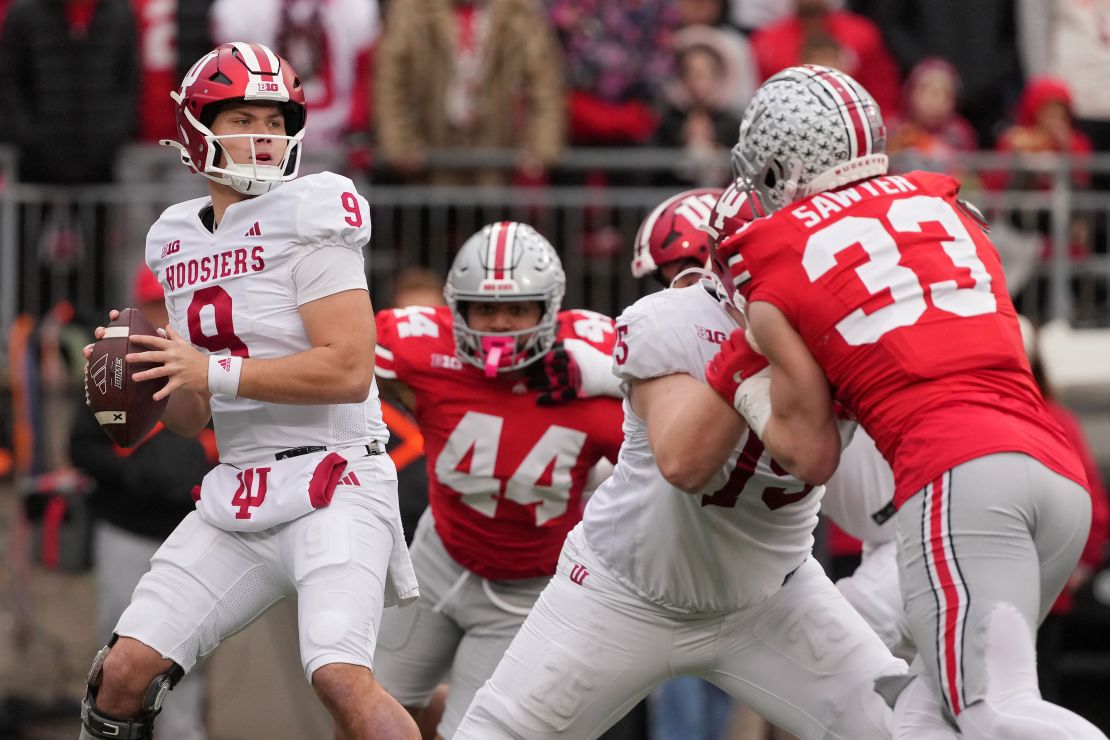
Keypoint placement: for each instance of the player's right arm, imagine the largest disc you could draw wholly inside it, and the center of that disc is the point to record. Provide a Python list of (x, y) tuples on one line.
[(691, 431)]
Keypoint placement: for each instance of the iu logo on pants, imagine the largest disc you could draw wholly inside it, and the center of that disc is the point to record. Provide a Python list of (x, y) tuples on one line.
[(578, 574)]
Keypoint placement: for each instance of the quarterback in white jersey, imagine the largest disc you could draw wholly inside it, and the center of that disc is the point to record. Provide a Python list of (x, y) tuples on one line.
[(269, 320), (692, 559)]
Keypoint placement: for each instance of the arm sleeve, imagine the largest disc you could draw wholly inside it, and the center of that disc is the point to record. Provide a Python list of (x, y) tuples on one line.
[(327, 271)]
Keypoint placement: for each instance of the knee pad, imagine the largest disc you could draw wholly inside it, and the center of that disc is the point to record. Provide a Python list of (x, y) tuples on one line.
[(1013, 706), (95, 724), (1009, 655)]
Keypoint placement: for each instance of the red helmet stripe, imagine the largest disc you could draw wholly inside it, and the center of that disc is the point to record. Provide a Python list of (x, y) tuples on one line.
[(502, 234), (858, 130), (268, 61), (258, 59)]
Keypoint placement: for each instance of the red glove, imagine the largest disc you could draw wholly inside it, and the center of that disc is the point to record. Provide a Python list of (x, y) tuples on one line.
[(742, 377)]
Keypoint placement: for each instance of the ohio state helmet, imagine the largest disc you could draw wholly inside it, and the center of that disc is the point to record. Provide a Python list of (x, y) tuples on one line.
[(806, 130), (505, 261), (238, 71), (674, 231)]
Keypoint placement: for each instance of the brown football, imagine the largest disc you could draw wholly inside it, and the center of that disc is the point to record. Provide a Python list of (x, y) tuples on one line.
[(125, 409)]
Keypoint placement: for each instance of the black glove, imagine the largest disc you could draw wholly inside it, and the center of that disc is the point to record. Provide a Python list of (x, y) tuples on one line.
[(556, 376)]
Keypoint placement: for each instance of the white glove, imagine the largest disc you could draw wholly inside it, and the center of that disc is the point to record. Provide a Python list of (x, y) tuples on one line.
[(596, 369), (753, 400)]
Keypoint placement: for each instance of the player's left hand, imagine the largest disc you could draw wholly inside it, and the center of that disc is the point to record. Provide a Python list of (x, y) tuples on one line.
[(571, 369), (180, 362), (556, 375), (742, 377)]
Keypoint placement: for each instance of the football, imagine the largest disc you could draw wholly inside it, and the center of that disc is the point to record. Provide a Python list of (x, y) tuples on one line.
[(125, 409)]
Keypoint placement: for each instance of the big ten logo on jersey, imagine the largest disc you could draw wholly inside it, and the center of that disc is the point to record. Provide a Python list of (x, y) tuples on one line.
[(716, 336), (445, 362), (416, 321), (479, 446), (592, 326), (171, 248)]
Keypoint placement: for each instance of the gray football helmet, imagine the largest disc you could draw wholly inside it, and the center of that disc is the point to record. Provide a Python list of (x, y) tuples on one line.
[(809, 129), (505, 261)]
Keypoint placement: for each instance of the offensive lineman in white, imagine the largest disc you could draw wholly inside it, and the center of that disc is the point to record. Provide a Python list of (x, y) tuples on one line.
[(657, 582), (270, 319), (678, 235)]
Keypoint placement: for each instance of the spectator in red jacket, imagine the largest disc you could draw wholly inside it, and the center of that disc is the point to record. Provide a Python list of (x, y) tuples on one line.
[(864, 53), (1044, 124)]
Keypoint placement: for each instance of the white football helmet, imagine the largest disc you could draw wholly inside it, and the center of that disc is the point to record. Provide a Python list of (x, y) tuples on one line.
[(809, 129), (505, 261)]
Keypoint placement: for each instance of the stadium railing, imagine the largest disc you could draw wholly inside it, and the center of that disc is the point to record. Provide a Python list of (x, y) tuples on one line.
[(82, 245)]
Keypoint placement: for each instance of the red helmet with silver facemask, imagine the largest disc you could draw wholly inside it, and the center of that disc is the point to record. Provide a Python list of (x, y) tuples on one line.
[(238, 71)]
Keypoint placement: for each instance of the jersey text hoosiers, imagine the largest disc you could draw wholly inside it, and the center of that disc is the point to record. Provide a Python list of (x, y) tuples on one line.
[(830, 203), (188, 273)]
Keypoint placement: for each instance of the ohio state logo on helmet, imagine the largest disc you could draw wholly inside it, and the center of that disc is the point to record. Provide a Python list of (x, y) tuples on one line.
[(238, 71), (809, 129), (673, 232), (505, 261)]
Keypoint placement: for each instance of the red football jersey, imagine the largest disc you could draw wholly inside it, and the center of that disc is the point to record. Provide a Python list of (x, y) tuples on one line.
[(506, 475), (896, 289)]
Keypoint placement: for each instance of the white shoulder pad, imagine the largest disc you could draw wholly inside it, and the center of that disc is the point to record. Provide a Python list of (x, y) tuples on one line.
[(658, 335), (171, 224), (331, 213)]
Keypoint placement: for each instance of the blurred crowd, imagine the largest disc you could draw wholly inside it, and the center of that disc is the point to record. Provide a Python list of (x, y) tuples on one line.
[(391, 83)]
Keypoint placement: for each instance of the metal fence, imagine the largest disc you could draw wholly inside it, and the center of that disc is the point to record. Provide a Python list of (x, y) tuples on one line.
[(82, 245)]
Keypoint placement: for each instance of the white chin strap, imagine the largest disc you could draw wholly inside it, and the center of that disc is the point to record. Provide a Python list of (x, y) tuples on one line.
[(255, 178), (714, 279), (705, 275)]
